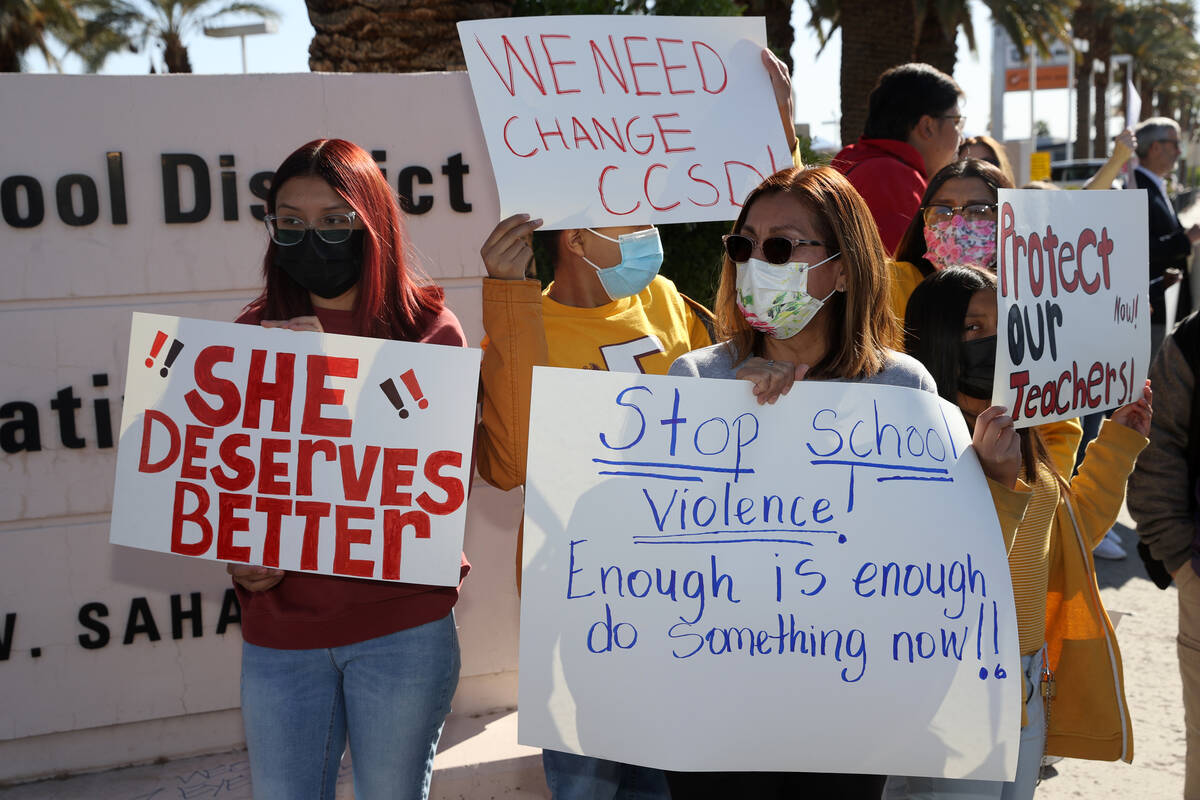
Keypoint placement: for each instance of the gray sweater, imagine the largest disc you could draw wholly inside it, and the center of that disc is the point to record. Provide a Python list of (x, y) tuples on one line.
[(1158, 488), (716, 361)]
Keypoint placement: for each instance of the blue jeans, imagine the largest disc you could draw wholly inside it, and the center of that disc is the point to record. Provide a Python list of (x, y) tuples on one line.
[(388, 695), (575, 777)]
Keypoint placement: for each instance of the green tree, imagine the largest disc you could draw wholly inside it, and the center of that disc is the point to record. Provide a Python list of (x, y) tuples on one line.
[(26, 24), (878, 34), (114, 25)]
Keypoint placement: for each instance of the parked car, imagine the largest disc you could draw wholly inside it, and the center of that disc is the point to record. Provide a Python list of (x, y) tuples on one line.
[(1075, 173)]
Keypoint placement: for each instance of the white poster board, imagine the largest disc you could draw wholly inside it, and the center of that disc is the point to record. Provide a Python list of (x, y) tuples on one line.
[(340, 455), (622, 120), (709, 584), (1073, 325)]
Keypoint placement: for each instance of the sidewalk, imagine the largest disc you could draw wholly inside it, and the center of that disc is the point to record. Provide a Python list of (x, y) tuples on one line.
[(478, 759)]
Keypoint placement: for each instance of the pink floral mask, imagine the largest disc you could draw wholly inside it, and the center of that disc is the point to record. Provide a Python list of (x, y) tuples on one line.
[(959, 243)]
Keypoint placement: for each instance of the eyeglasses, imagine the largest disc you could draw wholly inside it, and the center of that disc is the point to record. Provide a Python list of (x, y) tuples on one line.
[(960, 120), (331, 228), (775, 249), (972, 212)]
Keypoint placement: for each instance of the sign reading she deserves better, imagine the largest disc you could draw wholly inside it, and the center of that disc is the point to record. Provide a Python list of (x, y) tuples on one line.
[(313, 452), (1073, 325), (710, 584), (622, 120)]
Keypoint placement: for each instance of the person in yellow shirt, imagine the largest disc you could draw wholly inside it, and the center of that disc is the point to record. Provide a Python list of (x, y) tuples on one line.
[(1069, 654)]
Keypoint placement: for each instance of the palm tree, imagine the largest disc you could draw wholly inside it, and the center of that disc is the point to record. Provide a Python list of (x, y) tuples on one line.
[(114, 25), (878, 34), (24, 25), (1166, 57), (392, 36)]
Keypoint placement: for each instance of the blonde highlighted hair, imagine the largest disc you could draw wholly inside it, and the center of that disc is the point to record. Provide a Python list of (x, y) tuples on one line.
[(860, 319)]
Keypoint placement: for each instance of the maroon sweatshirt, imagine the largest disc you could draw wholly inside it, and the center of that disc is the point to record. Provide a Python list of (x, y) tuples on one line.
[(305, 610)]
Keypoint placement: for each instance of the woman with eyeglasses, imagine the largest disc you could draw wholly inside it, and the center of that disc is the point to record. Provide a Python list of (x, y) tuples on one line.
[(1072, 682), (956, 226), (326, 660), (985, 148), (802, 295)]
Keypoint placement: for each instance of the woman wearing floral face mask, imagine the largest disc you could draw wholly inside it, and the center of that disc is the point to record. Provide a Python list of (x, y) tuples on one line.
[(956, 227)]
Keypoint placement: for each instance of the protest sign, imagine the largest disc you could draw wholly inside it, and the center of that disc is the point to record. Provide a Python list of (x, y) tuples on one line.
[(340, 455), (709, 584), (1073, 320), (622, 120)]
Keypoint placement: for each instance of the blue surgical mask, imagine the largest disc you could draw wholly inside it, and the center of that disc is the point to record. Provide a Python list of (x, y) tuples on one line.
[(641, 258)]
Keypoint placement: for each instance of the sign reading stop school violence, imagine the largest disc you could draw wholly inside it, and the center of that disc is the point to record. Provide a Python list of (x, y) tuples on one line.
[(621, 120), (312, 452), (710, 584), (1073, 325)]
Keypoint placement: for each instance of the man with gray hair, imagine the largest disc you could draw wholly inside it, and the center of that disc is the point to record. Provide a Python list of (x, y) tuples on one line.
[(1170, 245)]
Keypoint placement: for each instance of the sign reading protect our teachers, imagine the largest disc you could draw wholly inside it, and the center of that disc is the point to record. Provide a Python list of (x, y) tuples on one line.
[(621, 120), (313, 452), (1073, 326), (709, 584)]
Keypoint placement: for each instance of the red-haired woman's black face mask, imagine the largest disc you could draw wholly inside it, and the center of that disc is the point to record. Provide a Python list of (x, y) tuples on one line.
[(327, 270)]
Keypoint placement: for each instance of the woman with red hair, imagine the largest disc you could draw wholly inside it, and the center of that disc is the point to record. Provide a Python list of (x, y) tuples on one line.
[(328, 659)]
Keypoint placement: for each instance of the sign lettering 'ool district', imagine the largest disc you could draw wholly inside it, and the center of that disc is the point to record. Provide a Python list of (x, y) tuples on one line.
[(1073, 327), (820, 584), (631, 119), (314, 452)]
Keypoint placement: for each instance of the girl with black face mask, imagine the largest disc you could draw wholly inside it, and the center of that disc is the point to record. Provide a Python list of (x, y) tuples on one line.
[(1069, 655), (326, 659)]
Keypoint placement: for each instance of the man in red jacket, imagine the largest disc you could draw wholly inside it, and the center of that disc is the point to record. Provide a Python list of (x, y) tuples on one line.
[(914, 126)]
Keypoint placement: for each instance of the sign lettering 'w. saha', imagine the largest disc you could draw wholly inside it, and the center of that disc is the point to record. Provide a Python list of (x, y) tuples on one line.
[(629, 119), (320, 453)]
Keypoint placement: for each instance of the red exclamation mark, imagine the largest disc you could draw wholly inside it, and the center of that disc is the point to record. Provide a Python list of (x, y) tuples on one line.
[(172, 354), (160, 339), (389, 388), (414, 388)]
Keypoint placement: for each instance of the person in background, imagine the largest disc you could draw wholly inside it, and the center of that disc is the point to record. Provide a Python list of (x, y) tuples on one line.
[(607, 308), (956, 227), (1073, 686), (985, 148), (1163, 501), (1158, 152), (327, 659), (913, 129), (802, 285)]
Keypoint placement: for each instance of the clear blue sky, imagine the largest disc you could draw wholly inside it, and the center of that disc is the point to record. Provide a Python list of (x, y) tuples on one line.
[(817, 103)]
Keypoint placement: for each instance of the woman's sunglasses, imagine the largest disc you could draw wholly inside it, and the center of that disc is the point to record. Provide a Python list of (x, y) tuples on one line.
[(775, 249)]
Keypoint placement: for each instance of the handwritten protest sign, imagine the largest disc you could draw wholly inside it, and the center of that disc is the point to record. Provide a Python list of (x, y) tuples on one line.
[(621, 120), (1073, 326), (321, 453), (820, 584)]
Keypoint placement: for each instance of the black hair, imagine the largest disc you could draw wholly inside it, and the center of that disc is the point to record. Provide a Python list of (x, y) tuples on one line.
[(912, 245), (903, 95), (933, 331)]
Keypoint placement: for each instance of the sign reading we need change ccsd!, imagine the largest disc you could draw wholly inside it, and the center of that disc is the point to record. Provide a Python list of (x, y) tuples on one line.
[(620, 120), (1073, 324), (710, 584), (323, 453)]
